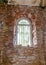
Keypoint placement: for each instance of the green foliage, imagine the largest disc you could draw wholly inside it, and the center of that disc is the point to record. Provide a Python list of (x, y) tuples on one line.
[(3, 1), (40, 4)]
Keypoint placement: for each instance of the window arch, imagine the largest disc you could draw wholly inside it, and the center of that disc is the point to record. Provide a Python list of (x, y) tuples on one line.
[(23, 32)]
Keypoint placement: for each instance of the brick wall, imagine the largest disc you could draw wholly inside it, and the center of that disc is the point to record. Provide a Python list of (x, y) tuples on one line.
[(44, 28), (22, 55)]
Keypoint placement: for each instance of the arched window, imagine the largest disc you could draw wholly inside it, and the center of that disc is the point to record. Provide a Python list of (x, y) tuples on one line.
[(24, 33)]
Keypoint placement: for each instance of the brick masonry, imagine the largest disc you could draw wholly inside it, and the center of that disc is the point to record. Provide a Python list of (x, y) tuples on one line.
[(10, 55)]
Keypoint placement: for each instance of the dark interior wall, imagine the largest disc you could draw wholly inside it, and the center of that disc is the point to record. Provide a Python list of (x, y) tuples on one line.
[(9, 15)]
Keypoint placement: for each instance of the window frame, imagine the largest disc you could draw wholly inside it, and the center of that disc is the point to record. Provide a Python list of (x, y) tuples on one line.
[(15, 31)]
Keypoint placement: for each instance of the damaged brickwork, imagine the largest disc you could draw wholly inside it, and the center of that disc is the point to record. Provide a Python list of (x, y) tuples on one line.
[(19, 55)]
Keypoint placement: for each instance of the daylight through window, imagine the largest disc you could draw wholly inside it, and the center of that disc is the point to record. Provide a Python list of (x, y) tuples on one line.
[(23, 35)]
